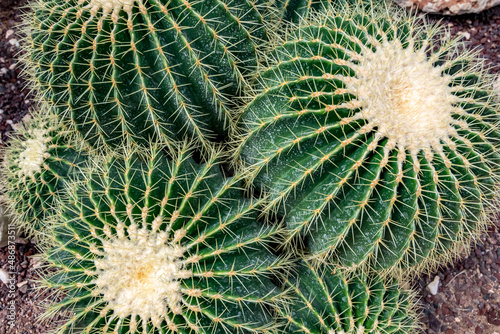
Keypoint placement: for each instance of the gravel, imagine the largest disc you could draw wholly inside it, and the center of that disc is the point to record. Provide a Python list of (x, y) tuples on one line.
[(468, 294), (14, 99)]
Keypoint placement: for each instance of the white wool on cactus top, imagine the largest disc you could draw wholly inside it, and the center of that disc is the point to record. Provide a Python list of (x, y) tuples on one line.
[(402, 95), (110, 6), (31, 160), (138, 274)]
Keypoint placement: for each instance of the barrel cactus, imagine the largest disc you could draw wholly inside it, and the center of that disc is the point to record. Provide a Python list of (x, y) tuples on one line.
[(376, 140), (146, 244), (137, 71), (330, 302), (38, 160)]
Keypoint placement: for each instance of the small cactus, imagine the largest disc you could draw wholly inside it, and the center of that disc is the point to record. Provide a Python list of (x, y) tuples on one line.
[(376, 139), (38, 159), (139, 70), (331, 302), (147, 244)]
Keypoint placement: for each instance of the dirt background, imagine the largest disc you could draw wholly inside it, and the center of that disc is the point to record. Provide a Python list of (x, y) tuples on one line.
[(468, 298)]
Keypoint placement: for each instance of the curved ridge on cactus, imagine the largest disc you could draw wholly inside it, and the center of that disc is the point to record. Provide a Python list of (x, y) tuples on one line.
[(139, 70), (147, 244), (295, 10), (330, 302), (37, 161), (377, 138)]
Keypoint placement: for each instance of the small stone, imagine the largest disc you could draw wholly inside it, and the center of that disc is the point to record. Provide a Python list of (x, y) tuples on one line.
[(433, 286), (493, 317), (20, 240), (23, 289), (465, 34), (21, 284), (4, 276), (9, 33)]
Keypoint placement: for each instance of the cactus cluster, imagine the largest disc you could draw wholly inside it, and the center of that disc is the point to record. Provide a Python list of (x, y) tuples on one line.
[(378, 143), (136, 71), (247, 166)]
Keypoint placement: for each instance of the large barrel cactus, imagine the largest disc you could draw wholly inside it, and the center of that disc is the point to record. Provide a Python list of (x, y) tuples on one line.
[(147, 244), (330, 302), (377, 138), (140, 70), (38, 160)]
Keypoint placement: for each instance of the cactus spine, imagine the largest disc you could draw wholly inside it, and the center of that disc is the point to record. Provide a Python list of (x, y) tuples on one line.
[(139, 70), (381, 146), (330, 302), (153, 245), (38, 160)]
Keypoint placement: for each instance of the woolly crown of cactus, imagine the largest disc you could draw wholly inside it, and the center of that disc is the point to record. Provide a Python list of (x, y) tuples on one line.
[(38, 159), (333, 302), (147, 244), (139, 70), (376, 139)]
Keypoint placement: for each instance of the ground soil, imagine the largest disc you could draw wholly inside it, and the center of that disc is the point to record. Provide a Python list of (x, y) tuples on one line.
[(468, 298)]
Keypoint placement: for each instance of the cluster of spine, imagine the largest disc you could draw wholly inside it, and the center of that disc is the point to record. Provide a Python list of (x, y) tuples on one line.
[(374, 142), (330, 302), (142, 70), (40, 158), (147, 244)]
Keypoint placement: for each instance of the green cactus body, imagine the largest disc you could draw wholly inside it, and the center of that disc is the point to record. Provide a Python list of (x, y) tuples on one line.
[(153, 245), (39, 159), (139, 70), (329, 302), (382, 150), (294, 10)]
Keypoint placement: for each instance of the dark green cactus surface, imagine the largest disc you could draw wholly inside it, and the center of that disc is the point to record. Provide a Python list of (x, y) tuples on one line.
[(377, 146), (38, 160), (327, 302), (141, 70), (294, 10), (152, 245)]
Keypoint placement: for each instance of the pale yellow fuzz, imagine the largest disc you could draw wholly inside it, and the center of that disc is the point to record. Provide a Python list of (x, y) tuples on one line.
[(404, 96), (30, 161), (139, 274), (110, 6)]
